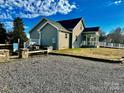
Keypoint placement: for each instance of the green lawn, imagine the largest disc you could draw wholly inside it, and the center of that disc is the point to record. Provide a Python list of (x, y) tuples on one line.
[(105, 53)]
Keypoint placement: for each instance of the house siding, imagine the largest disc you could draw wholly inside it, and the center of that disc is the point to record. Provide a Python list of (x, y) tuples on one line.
[(63, 40), (49, 36), (34, 34), (77, 35)]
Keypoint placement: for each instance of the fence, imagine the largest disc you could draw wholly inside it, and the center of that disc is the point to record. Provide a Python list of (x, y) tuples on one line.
[(102, 44), (6, 46), (111, 45)]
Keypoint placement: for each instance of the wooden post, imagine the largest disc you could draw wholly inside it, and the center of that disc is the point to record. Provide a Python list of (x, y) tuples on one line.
[(23, 53)]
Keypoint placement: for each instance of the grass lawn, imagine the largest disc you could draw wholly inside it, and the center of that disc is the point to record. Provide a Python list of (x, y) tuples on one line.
[(104, 53)]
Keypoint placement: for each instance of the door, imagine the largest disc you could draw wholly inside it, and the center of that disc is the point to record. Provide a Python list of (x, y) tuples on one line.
[(70, 40)]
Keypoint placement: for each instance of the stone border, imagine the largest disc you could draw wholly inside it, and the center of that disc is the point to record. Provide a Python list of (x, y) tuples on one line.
[(88, 58), (23, 53), (4, 55)]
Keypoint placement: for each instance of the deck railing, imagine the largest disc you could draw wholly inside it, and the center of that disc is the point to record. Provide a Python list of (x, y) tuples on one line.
[(6, 46), (89, 43)]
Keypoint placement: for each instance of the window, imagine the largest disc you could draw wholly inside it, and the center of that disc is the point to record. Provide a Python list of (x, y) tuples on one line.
[(66, 35), (53, 40)]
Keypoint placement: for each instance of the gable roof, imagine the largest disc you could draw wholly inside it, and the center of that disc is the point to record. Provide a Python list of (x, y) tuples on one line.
[(70, 24), (37, 25), (62, 25), (91, 29), (56, 24)]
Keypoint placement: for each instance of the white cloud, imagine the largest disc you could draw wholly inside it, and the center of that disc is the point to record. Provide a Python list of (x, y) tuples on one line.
[(26, 27), (8, 25), (115, 2), (33, 8), (9, 9), (118, 2)]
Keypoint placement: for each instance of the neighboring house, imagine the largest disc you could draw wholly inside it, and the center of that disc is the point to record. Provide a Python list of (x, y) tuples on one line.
[(63, 34)]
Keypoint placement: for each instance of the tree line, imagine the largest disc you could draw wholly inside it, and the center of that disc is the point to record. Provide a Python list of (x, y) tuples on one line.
[(115, 36), (17, 33)]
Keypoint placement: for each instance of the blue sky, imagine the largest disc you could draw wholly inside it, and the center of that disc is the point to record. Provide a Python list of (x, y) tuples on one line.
[(108, 14)]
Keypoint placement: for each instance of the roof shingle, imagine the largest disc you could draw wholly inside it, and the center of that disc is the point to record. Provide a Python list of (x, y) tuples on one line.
[(69, 24), (91, 29)]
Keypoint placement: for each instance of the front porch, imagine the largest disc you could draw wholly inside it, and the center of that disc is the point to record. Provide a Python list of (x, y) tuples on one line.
[(90, 39)]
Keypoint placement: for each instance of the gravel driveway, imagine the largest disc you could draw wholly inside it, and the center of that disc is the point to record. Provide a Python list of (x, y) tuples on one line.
[(59, 74)]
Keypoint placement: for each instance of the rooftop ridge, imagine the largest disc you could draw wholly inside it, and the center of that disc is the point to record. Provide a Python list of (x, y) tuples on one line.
[(70, 19)]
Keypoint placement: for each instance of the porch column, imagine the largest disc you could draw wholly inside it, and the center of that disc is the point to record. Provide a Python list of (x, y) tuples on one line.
[(97, 41)]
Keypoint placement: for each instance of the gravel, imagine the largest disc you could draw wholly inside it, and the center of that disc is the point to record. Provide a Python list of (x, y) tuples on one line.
[(59, 74)]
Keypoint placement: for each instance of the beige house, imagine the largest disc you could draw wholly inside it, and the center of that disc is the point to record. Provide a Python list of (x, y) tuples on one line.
[(63, 34)]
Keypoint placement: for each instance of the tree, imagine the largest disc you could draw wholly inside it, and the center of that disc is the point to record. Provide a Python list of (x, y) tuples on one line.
[(18, 31), (3, 34), (102, 36), (10, 37), (116, 36)]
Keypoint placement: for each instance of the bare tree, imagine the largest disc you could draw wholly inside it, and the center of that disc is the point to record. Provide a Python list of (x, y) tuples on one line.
[(116, 36)]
